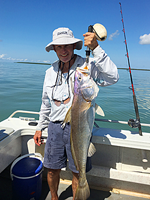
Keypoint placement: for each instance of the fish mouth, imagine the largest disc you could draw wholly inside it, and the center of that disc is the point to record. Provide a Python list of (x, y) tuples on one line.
[(83, 71), (86, 87)]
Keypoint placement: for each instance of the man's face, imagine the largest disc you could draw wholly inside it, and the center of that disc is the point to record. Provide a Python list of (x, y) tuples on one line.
[(64, 52)]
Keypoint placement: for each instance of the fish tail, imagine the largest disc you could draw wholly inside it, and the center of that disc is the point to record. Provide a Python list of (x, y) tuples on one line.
[(83, 191)]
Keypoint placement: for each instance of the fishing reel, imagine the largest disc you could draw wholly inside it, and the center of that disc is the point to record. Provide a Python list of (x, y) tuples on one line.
[(99, 30), (134, 123)]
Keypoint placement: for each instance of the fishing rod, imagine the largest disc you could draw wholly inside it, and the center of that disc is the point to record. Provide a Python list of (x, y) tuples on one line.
[(134, 123)]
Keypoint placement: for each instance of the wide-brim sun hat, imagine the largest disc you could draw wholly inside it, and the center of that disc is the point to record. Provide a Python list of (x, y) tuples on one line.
[(64, 36)]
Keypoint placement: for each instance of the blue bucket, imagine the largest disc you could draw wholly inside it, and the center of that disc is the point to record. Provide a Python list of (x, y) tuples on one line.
[(26, 174)]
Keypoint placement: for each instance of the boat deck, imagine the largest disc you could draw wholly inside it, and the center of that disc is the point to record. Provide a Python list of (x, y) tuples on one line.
[(65, 191)]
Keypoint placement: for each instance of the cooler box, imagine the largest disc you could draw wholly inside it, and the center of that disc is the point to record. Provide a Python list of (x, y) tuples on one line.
[(26, 174)]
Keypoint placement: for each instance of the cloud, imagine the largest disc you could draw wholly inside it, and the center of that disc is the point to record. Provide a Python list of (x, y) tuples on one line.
[(113, 35), (2, 56), (46, 61), (145, 39)]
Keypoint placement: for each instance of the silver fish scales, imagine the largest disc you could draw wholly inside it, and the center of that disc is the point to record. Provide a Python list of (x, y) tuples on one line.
[(81, 116)]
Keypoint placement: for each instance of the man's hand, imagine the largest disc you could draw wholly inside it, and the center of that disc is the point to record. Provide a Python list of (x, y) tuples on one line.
[(90, 40), (37, 138)]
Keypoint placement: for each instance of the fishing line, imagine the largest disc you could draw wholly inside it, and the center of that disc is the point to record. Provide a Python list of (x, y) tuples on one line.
[(132, 122)]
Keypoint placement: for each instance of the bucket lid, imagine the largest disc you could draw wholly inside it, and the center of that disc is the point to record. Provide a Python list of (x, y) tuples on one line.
[(27, 167)]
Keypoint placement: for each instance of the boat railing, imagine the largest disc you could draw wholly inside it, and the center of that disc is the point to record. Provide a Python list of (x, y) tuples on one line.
[(23, 111), (116, 121), (96, 119)]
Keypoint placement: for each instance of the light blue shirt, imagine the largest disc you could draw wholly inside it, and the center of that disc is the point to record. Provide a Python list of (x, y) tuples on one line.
[(102, 69)]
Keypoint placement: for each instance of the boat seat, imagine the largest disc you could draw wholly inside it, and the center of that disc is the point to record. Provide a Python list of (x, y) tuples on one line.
[(5, 132)]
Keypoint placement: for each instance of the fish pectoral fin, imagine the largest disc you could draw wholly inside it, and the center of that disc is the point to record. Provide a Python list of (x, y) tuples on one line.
[(99, 110), (92, 150)]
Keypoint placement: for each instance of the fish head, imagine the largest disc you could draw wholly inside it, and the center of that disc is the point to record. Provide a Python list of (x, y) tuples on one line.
[(84, 84)]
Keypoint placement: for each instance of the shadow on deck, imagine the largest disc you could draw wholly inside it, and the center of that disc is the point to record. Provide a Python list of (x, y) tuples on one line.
[(65, 191)]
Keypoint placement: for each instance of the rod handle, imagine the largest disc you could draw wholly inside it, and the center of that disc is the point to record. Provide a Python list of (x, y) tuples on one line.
[(90, 28)]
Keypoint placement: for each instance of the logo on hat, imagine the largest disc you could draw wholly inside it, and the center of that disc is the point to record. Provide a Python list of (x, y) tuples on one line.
[(63, 32)]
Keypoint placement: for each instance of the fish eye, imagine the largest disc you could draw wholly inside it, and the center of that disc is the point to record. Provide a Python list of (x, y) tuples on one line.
[(79, 78)]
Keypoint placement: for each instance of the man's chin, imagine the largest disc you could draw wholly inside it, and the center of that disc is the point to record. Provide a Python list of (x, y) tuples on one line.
[(65, 60)]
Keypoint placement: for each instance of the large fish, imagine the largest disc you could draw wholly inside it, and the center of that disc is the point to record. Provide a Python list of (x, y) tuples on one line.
[(81, 116)]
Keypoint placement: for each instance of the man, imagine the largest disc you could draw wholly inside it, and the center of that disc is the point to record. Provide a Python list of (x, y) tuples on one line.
[(57, 98)]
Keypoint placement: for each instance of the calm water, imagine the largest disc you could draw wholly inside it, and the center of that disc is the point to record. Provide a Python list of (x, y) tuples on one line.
[(21, 89)]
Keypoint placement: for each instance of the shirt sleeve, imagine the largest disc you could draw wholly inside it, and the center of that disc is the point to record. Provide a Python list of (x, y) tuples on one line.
[(103, 70), (44, 111)]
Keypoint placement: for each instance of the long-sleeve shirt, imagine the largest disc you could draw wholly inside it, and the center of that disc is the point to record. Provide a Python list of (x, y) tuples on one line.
[(103, 71)]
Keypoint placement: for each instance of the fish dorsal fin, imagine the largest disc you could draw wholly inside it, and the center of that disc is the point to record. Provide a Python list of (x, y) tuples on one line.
[(92, 150), (99, 110)]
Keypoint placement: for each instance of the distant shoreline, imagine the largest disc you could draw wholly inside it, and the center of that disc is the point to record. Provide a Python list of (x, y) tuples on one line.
[(33, 63)]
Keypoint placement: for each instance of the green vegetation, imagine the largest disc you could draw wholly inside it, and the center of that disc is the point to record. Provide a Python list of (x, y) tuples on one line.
[(34, 63)]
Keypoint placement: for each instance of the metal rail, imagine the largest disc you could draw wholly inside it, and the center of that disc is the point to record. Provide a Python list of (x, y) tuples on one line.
[(23, 111), (96, 119), (119, 122)]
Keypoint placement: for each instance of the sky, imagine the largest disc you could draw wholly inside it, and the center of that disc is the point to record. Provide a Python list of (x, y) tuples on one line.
[(26, 27)]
